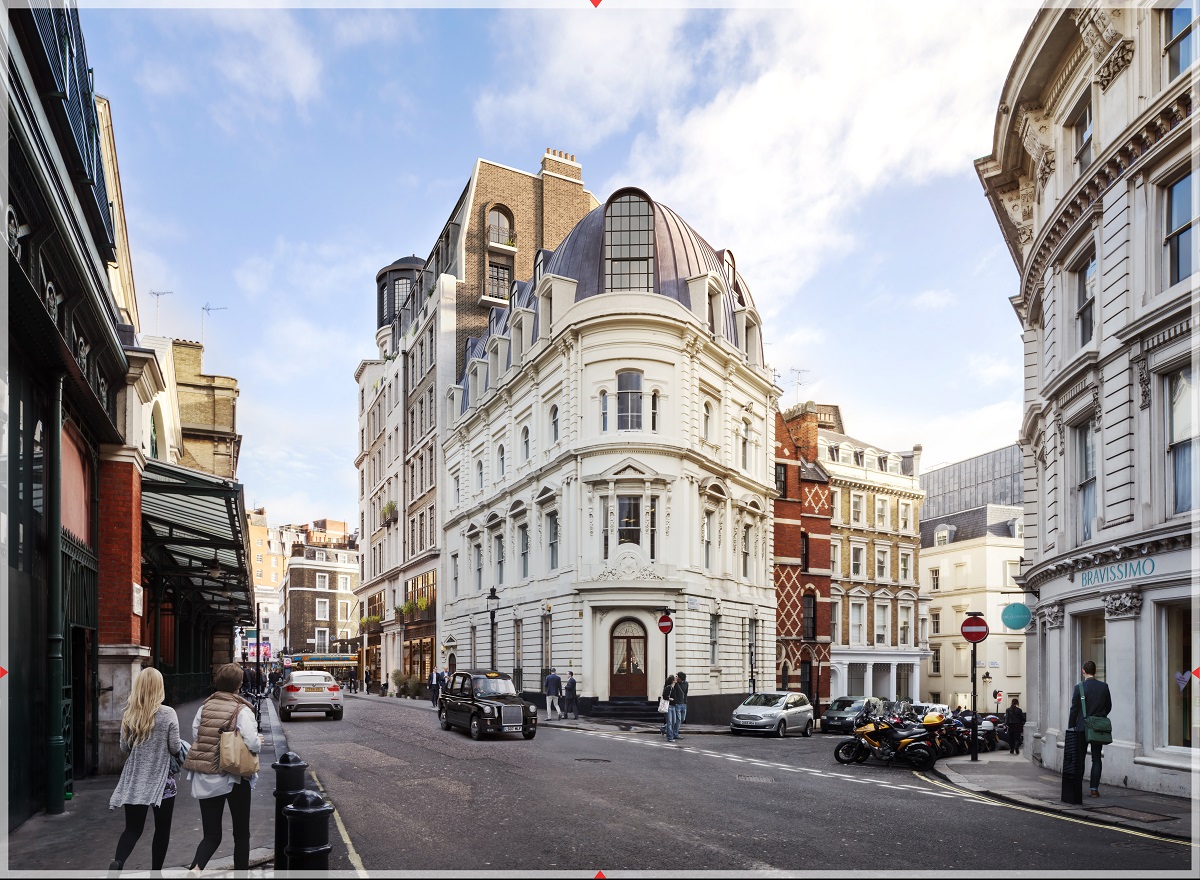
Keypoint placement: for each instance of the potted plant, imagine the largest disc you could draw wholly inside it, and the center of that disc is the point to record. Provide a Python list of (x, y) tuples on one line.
[(415, 686), (397, 682), (390, 514), (422, 603), (370, 623)]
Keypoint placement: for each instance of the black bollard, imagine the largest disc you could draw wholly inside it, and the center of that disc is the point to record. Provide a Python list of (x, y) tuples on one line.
[(308, 832), (289, 782)]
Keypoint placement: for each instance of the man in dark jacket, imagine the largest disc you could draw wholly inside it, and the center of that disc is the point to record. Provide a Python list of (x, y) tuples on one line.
[(553, 689), (673, 693), (1091, 698), (570, 696), (1014, 719), (683, 685)]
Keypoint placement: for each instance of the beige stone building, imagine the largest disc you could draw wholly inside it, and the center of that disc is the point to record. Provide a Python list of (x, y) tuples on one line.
[(207, 413)]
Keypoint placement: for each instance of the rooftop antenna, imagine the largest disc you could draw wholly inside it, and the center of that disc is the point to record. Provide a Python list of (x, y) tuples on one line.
[(158, 295), (797, 373), (206, 308)]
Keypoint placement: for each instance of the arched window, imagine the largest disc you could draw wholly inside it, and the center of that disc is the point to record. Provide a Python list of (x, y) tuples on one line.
[(554, 424), (500, 459), (603, 410), (525, 444), (707, 420), (479, 475), (629, 401), (746, 532), (500, 230), (745, 446), (629, 244), (654, 411)]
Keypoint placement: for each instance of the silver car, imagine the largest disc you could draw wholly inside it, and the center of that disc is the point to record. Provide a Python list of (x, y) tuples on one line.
[(310, 692), (775, 712)]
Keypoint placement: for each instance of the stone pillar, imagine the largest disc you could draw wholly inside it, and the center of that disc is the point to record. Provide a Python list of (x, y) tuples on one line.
[(869, 680), (892, 695), (1051, 708), (1121, 614), (915, 681)]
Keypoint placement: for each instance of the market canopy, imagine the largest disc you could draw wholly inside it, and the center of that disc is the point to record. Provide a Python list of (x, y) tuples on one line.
[(194, 537)]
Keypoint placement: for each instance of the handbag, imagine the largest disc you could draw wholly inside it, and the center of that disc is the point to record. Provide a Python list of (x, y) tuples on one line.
[(235, 758), (1096, 728), (179, 757), (663, 704)]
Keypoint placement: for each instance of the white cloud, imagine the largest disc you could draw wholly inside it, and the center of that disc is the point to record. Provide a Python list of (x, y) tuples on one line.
[(933, 299), (266, 56), (310, 274), (991, 370)]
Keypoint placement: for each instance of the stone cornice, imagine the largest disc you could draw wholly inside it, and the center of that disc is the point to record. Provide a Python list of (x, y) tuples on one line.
[(1068, 564)]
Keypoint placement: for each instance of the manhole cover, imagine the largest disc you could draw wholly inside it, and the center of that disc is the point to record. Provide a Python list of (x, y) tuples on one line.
[(593, 760), (755, 778), (1126, 813)]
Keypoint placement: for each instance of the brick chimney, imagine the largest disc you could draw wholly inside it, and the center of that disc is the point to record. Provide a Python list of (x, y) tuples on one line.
[(802, 426)]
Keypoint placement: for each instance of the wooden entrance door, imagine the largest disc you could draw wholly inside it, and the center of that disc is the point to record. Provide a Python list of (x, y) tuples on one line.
[(628, 676)]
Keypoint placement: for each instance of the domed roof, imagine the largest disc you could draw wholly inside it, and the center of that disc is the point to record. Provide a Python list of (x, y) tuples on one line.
[(413, 262)]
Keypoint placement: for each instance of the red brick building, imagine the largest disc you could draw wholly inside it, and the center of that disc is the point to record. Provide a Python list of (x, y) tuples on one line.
[(802, 514)]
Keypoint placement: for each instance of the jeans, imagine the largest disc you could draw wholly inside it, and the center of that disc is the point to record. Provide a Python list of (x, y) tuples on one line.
[(552, 706), (211, 811), (135, 821), (1097, 766), (682, 712), (674, 717)]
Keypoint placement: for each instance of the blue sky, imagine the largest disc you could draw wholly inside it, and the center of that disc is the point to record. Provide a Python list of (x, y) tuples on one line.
[(273, 160)]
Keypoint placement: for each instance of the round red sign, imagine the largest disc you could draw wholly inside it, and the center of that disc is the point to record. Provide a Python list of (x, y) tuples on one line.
[(975, 629), (665, 623)]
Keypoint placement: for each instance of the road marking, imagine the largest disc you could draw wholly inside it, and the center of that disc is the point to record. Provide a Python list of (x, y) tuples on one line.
[(350, 850), (769, 765)]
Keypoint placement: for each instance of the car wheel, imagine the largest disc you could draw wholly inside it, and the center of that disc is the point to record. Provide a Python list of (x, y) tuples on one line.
[(529, 734), (781, 729), (808, 728), (337, 714), (476, 728), (443, 720), (285, 714)]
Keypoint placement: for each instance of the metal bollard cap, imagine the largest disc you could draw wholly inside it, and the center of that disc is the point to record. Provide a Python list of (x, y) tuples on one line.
[(290, 760), (308, 801)]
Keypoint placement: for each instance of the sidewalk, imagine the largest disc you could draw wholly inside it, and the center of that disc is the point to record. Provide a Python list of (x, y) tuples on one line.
[(1010, 778), (84, 837)]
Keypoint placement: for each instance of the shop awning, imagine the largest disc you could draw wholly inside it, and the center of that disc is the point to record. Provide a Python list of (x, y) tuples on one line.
[(325, 659), (194, 537)]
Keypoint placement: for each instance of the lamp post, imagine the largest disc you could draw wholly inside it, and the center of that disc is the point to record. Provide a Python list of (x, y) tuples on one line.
[(987, 681), (493, 602)]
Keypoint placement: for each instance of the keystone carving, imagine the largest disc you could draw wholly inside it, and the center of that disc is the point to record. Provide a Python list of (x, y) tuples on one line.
[(1117, 605)]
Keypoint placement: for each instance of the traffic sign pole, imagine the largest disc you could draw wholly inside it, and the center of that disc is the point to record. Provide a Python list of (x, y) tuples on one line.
[(666, 625), (974, 714), (974, 629)]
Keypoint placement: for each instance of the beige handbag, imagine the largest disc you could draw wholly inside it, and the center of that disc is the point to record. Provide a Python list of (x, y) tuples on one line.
[(235, 758)]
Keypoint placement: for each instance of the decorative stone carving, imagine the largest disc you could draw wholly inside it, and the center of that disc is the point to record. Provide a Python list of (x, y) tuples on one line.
[(1053, 615), (81, 352), (1034, 128), (52, 299), (1143, 377), (1098, 409), (1118, 59), (667, 518), (1060, 435), (1127, 604), (591, 509)]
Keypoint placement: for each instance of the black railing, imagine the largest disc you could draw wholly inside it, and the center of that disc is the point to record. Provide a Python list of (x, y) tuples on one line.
[(504, 235), (497, 288)]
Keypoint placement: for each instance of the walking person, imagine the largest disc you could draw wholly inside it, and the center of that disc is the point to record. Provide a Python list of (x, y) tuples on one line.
[(1091, 698), (553, 689), (683, 703), (673, 694), (150, 734), (435, 685), (223, 710), (367, 681), (1014, 720), (570, 696)]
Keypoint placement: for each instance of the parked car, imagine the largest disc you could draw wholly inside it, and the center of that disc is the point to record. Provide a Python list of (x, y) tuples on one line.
[(310, 691), (839, 717), (485, 701), (773, 712)]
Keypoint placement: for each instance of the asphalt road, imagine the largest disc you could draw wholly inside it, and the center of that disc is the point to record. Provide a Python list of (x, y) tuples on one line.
[(414, 798)]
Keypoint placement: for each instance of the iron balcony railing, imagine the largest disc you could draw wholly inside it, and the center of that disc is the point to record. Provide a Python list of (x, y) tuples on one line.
[(497, 288), (504, 235)]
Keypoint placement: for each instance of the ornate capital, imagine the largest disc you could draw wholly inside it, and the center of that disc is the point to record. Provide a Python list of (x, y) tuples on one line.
[(1119, 605), (1053, 615), (1118, 59), (1098, 26)]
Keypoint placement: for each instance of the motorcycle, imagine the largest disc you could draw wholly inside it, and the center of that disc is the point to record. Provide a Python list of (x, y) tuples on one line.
[(875, 735)]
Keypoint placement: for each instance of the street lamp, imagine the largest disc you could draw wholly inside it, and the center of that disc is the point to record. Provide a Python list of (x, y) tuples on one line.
[(493, 602), (987, 682)]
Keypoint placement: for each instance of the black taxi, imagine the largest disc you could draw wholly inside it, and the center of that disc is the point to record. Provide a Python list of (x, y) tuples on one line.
[(484, 701)]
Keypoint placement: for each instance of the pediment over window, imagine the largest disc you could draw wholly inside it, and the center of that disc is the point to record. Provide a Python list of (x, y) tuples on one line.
[(714, 487), (493, 519), (516, 508), (473, 530), (752, 502), (884, 593), (547, 495), (627, 469), (859, 593)]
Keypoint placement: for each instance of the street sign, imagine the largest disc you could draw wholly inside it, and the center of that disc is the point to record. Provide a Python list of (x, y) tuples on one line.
[(998, 696), (666, 624), (287, 661), (975, 629), (1016, 615)]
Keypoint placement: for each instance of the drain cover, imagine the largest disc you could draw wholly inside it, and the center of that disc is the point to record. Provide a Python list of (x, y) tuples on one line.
[(1126, 813), (593, 760), (755, 778)]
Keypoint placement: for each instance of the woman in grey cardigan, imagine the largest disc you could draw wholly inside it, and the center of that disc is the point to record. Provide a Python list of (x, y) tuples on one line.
[(150, 733)]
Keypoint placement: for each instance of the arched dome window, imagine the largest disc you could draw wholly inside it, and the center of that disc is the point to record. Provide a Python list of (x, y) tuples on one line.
[(500, 227), (629, 244)]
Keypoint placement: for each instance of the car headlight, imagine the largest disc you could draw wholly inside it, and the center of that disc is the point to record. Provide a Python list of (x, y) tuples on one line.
[(487, 710), (770, 714), (531, 710)]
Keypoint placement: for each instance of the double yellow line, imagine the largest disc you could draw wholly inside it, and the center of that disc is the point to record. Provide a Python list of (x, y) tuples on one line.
[(1050, 813)]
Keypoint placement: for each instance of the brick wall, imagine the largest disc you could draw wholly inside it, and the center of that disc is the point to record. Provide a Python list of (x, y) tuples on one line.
[(120, 552)]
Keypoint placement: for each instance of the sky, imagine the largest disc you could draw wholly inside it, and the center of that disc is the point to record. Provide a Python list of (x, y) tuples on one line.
[(273, 160)]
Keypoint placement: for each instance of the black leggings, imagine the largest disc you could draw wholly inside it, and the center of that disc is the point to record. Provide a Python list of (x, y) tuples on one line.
[(135, 821), (211, 811)]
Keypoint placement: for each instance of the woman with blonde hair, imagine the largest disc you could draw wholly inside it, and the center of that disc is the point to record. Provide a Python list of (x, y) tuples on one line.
[(150, 733)]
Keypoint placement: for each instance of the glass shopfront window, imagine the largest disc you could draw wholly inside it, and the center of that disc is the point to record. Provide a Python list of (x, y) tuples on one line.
[(1090, 631), (1178, 684)]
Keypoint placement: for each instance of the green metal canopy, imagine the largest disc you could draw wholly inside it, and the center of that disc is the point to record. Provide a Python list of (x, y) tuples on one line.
[(194, 538)]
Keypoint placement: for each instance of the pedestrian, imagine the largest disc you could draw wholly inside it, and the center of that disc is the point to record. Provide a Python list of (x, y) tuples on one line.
[(273, 679), (367, 681), (570, 696), (673, 694), (553, 689), (435, 685), (1014, 720), (223, 710), (1090, 699), (683, 703), (150, 734), (247, 680), (383, 686)]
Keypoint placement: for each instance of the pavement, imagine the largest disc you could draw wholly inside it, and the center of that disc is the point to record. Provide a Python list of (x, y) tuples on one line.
[(84, 837), (92, 830)]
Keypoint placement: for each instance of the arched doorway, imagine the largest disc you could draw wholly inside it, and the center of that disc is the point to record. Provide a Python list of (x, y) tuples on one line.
[(451, 663), (628, 676)]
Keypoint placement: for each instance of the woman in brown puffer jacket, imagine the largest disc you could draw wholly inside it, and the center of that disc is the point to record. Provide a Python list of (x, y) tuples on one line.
[(222, 711)]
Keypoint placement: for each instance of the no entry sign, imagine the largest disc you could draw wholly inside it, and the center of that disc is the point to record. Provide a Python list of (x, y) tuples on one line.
[(975, 629), (666, 624)]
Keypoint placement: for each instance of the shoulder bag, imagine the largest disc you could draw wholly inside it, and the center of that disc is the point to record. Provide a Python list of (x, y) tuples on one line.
[(1097, 729), (236, 759), (663, 704)]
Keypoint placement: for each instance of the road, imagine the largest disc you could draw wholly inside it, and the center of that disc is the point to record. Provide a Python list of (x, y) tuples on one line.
[(415, 798)]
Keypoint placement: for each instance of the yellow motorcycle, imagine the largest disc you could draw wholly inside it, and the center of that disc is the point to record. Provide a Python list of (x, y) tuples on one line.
[(878, 737)]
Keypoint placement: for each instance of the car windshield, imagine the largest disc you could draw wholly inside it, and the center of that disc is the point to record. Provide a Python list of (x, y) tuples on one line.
[(491, 687), (311, 678), (841, 705), (765, 700)]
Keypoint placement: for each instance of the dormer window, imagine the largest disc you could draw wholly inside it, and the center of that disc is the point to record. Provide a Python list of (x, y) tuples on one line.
[(883, 462), (835, 453), (629, 244), (859, 457)]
